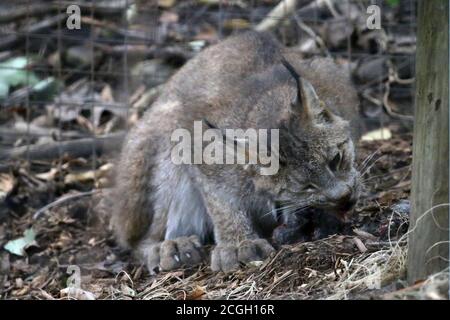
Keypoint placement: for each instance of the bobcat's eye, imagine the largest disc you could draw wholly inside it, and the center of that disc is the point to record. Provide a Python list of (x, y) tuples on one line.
[(334, 164), (309, 188)]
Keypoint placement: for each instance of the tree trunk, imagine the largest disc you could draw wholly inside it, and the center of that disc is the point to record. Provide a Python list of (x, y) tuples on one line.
[(429, 226)]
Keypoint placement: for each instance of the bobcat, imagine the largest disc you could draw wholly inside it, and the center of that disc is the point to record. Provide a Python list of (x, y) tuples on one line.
[(166, 212)]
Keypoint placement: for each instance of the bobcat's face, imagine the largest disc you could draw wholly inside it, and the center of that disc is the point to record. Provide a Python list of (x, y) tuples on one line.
[(319, 167), (317, 156)]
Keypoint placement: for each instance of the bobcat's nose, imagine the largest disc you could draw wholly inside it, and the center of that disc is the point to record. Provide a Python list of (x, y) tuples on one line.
[(343, 198)]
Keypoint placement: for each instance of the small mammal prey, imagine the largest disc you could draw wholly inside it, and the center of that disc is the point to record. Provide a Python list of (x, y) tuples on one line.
[(167, 211)]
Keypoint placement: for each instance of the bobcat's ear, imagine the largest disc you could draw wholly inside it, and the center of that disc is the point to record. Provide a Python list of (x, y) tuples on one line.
[(307, 104)]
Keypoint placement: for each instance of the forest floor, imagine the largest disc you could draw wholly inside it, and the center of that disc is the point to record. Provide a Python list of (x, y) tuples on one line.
[(365, 262)]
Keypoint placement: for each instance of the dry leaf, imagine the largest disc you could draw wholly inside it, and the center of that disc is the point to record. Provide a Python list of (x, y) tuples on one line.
[(48, 176), (168, 17), (126, 290), (76, 293), (166, 3), (380, 134), (21, 292), (88, 175), (360, 244), (236, 24), (255, 264), (196, 294), (106, 94), (7, 183), (18, 246)]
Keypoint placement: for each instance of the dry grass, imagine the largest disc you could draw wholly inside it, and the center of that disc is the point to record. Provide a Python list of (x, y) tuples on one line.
[(331, 268), (338, 267)]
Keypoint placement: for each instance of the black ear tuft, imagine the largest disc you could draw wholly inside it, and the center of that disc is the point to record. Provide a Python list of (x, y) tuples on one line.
[(291, 70), (295, 75), (209, 124)]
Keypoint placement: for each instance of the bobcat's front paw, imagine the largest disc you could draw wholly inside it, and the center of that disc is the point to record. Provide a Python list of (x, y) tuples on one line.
[(226, 257), (173, 254)]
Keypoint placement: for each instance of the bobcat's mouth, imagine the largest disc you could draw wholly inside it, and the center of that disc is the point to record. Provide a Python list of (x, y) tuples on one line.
[(343, 211), (340, 212)]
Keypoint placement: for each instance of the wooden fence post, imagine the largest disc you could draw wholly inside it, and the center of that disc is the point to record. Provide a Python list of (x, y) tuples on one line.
[(428, 251)]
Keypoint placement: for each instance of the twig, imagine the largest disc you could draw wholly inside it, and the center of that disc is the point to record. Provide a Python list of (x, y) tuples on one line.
[(130, 34), (388, 108), (147, 98), (63, 199), (282, 10), (329, 5), (312, 34), (287, 7), (394, 77)]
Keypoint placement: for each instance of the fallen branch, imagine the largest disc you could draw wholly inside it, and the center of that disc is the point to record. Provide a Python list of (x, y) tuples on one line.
[(29, 129), (313, 35), (148, 51), (19, 12), (281, 11), (100, 7), (287, 7), (73, 148), (11, 40)]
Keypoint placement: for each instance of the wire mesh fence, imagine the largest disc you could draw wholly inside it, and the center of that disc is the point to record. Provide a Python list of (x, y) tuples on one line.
[(74, 76)]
